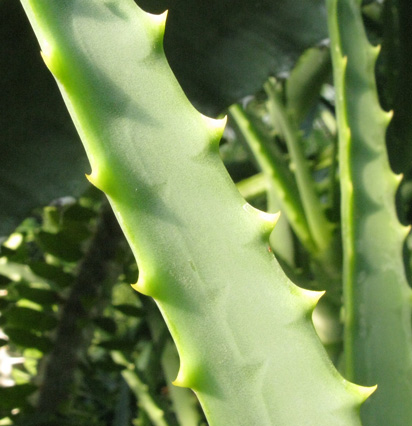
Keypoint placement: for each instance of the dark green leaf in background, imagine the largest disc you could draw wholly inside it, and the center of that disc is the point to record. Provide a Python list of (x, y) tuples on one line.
[(223, 50), (396, 82), (41, 157)]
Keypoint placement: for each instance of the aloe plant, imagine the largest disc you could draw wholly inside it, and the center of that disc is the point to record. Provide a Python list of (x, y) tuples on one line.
[(156, 158), (243, 330)]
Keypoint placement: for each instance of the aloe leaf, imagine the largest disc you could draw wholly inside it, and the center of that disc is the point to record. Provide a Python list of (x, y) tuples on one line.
[(243, 331), (378, 335)]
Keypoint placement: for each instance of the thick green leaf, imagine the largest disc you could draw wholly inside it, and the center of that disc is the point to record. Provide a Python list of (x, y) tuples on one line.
[(305, 82), (377, 297)]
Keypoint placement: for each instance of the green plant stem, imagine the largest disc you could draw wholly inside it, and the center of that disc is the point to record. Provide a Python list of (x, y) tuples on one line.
[(276, 174), (144, 400), (306, 80), (281, 239), (320, 228), (253, 187), (333, 182), (377, 298)]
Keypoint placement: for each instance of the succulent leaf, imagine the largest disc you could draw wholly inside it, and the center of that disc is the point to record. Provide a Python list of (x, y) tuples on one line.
[(378, 333)]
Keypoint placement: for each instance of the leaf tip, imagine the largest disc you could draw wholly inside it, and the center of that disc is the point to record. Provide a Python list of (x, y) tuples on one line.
[(180, 380), (399, 177), (52, 61), (376, 50)]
